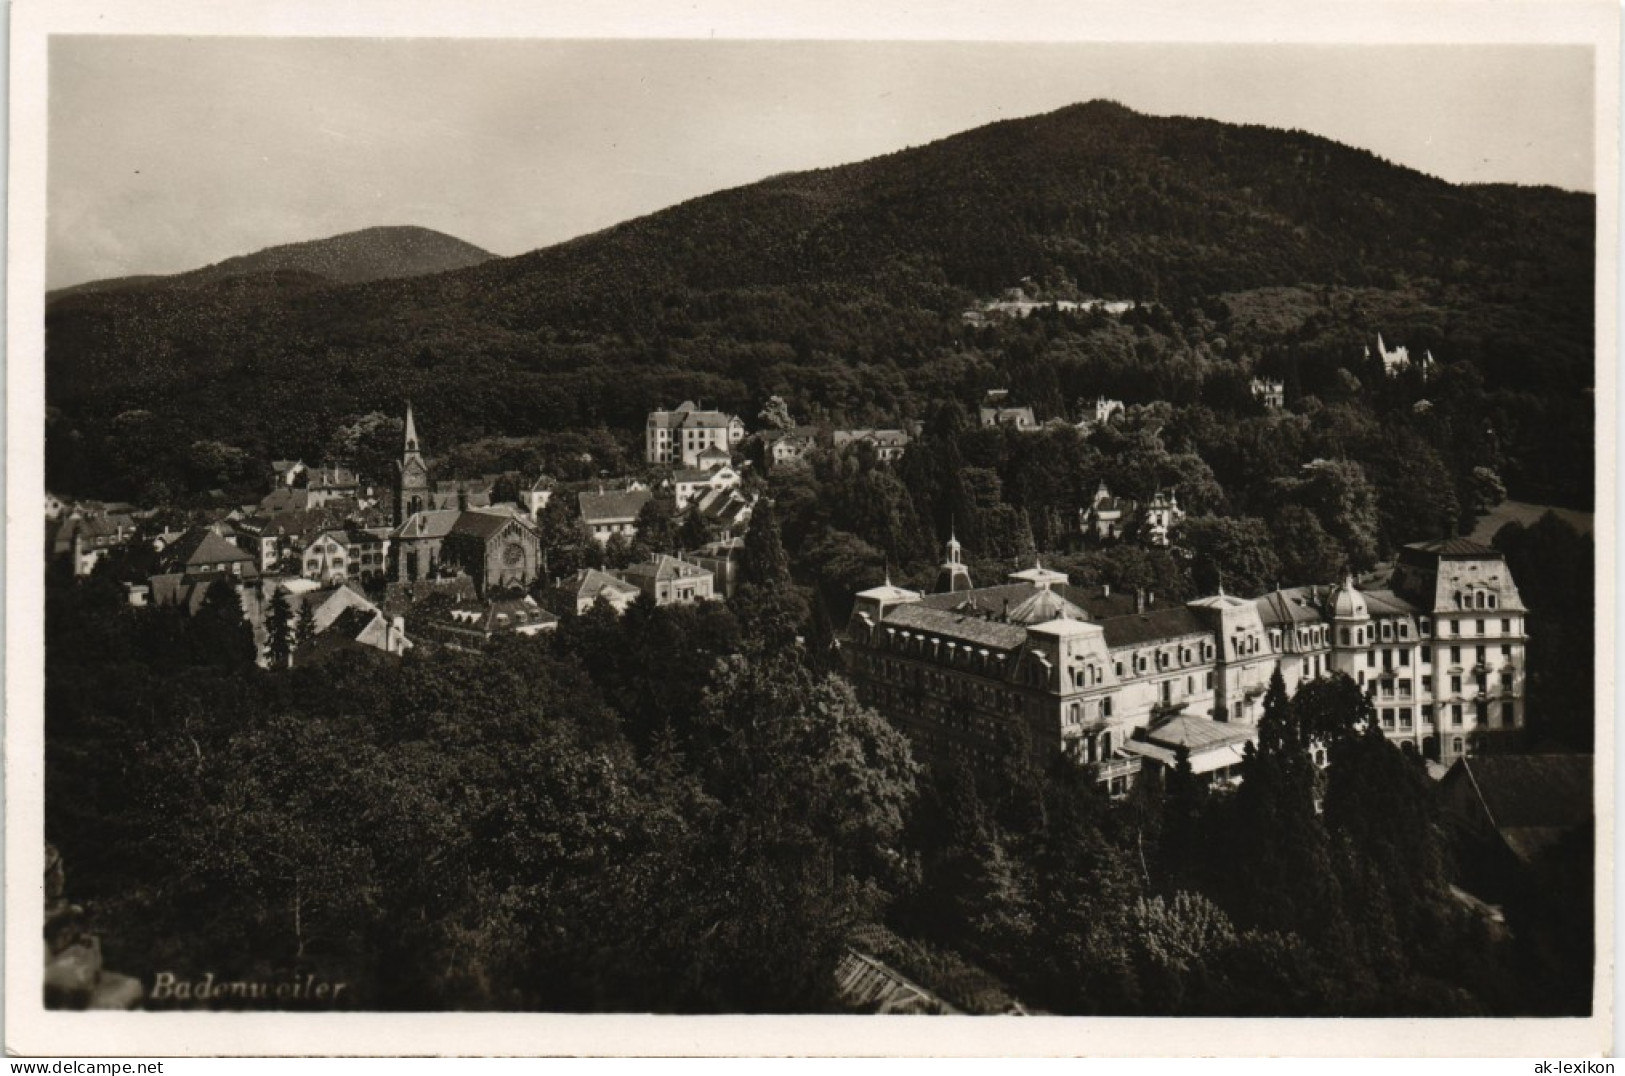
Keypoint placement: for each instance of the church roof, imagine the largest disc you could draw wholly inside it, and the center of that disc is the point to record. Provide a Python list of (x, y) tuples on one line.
[(483, 525), (433, 524)]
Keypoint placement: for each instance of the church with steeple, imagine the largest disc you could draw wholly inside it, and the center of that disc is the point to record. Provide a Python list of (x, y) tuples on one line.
[(442, 529)]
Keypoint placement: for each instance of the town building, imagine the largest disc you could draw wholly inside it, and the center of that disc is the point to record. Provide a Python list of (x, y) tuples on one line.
[(1019, 417), (87, 538), (329, 483), (188, 566), (1439, 652), (1104, 409), (470, 624), (1159, 517), (789, 448), (342, 554), (726, 512), (888, 445), (604, 515), (284, 499), (680, 436), (721, 559), (585, 587), (1269, 391), (205, 551), (285, 474), (671, 580), (690, 484), (1107, 517), (1398, 360), (534, 498), (356, 629)]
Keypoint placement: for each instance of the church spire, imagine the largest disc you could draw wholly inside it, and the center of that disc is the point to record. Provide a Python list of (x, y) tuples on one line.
[(411, 429)]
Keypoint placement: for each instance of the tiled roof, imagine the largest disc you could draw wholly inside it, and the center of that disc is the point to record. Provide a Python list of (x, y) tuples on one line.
[(612, 507), (664, 567), (331, 478), (688, 416), (201, 546), (590, 582), (285, 500)]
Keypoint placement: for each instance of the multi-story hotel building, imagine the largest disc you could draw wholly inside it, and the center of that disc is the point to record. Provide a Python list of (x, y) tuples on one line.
[(1437, 642), (680, 437)]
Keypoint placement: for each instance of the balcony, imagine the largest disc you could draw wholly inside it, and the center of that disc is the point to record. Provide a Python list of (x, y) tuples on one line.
[(1116, 767)]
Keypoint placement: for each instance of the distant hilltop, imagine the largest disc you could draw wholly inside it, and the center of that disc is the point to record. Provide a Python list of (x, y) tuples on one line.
[(351, 258)]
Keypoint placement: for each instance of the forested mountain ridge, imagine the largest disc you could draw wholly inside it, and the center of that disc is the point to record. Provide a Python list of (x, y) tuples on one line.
[(841, 289)]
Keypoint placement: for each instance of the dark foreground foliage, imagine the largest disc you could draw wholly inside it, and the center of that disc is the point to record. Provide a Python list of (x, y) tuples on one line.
[(660, 812)]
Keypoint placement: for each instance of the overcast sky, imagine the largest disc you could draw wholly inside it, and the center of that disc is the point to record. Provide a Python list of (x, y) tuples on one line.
[(167, 153)]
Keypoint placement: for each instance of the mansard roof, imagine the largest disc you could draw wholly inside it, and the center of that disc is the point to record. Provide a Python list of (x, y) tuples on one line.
[(981, 631), (1151, 626)]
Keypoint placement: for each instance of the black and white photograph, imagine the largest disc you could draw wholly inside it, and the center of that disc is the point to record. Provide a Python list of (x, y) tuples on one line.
[(679, 523)]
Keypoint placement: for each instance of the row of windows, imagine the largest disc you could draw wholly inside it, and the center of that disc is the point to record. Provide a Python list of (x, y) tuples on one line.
[(1484, 714), (1165, 657)]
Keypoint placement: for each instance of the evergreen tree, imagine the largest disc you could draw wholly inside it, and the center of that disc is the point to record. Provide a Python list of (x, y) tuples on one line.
[(763, 560), (279, 632), (305, 631), (219, 634)]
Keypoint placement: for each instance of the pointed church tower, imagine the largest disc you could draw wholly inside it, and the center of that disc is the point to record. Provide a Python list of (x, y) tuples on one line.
[(412, 483), (953, 576)]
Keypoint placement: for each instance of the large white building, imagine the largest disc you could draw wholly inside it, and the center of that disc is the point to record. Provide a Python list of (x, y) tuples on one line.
[(680, 436), (1438, 645)]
